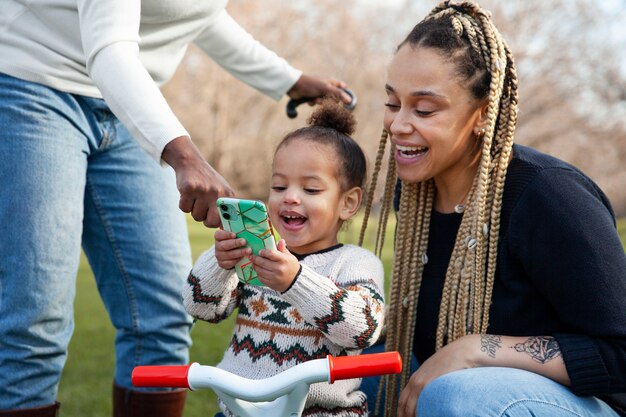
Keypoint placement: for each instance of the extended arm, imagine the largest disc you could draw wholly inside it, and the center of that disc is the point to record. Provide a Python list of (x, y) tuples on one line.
[(233, 48)]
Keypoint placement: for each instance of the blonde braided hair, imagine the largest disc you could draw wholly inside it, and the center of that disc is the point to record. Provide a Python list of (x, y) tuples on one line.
[(468, 285)]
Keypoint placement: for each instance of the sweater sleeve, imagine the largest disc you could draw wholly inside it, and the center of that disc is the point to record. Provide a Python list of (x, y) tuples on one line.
[(349, 307), (228, 44), (110, 36), (210, 293), (565, 236)]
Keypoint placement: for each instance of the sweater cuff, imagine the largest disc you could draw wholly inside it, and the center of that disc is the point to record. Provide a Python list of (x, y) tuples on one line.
[(294, 280), (584, 364), (208, 277)]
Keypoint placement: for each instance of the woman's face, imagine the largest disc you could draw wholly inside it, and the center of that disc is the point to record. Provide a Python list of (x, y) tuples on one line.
[(431, 117)]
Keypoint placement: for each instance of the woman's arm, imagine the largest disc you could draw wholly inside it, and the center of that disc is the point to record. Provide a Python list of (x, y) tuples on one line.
[(538, 354), (564, 237)]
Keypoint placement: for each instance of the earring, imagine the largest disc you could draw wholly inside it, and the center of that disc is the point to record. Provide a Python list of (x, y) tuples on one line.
[(480, 133)]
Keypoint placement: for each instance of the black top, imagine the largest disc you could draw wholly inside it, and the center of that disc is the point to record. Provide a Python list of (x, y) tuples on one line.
[(561, 272)]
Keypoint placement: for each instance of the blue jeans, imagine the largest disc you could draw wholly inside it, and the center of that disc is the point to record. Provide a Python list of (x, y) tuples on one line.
[(71, 174), (497, 392), (504, 392)]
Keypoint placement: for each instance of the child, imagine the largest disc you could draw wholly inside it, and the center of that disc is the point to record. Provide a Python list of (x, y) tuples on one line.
[(320, 297)]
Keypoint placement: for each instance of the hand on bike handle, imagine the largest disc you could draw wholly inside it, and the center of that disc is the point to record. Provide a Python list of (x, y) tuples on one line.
[(292, 113), (310, 90)]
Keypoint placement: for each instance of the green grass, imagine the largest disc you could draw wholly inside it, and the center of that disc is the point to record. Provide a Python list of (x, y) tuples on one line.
[(85, 388)]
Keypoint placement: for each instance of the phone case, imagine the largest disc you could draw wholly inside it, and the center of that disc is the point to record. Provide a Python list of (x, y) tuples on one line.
[(248, 219)]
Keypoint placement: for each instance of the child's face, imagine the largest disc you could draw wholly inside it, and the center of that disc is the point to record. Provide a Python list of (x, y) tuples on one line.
[(306, 203)]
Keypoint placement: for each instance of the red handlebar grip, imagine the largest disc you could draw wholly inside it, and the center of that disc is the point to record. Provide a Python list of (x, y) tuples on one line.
[(171, 376), (348, 367)]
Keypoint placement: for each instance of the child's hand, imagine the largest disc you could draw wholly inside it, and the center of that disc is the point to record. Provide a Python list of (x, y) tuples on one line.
[(276, 268), (228, 249)]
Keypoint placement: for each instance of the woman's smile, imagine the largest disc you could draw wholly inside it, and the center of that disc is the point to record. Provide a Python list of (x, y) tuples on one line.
[(410, 154)]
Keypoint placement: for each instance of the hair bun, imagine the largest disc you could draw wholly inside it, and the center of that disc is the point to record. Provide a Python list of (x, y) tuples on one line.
[(332, 114)]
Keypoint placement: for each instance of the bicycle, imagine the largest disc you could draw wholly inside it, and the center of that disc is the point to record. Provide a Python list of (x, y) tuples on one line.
[(282, 395)]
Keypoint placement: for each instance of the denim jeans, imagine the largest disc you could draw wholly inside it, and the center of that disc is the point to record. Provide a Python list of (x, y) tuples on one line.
[(498, 392), (71, 174)]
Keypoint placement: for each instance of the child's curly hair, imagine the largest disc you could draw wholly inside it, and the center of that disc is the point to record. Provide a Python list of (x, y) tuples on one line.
[(332, 124)]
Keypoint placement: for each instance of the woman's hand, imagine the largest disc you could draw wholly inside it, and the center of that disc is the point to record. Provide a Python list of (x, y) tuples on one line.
[(228, 249), (198, 183), (452, 357), (276, 268), (309, 86)]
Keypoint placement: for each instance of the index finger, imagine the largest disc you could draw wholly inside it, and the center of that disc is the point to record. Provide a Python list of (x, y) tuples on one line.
[(338, 83), (341, 94), (212, 219)]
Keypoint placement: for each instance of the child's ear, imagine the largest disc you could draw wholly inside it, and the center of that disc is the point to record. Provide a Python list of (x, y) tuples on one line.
[(350, 203)]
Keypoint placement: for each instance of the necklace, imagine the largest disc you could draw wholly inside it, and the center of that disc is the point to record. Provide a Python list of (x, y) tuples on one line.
[(460, 208)]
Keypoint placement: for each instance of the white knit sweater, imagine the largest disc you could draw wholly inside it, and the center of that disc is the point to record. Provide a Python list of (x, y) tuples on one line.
[(335, 307), (123, 50)]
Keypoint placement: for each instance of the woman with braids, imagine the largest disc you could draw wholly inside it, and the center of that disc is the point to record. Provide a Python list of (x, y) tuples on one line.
[(509, 278)]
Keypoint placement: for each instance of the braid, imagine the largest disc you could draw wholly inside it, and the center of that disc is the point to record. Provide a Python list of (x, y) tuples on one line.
[(466, 33), (370, 194), (506, 135), (386, 202), (416, 203), (390, 184), (394, 312)]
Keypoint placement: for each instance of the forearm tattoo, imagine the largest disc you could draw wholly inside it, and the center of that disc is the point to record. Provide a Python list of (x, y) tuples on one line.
[(489, 344), (540, 348)]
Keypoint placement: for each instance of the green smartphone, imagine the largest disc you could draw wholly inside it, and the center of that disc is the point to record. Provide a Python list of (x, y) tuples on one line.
[(247, 219)]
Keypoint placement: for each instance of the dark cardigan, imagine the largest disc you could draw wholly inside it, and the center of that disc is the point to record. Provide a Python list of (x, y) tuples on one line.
[(561, 272)]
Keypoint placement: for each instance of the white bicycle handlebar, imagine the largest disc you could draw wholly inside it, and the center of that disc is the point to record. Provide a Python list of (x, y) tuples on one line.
[(281, 395)]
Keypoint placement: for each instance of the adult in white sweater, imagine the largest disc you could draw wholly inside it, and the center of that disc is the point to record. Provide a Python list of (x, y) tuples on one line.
[(79, 98)]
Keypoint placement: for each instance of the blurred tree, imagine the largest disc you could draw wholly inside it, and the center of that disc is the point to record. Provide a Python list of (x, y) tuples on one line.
[(569, 54)]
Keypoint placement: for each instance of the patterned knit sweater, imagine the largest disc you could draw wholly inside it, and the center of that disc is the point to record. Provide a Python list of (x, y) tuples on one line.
[(335, 306)]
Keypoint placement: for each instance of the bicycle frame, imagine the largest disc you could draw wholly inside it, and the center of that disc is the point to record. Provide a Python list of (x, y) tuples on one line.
[(282, 395)]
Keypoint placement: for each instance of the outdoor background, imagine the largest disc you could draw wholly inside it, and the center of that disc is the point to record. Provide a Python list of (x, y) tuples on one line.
[(571, 60)]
